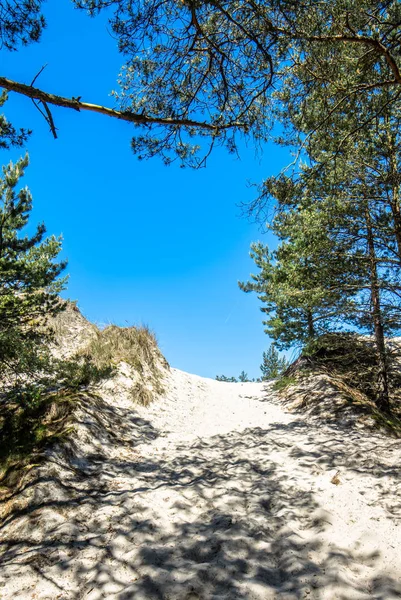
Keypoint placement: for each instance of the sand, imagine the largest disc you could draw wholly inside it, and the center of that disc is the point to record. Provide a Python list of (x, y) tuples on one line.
[(214, 491)]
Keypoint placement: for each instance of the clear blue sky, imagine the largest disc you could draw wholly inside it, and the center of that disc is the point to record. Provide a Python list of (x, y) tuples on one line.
[(145, 243)]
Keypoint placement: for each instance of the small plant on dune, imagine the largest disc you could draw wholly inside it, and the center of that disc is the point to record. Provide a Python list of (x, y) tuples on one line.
[(141, 394), (284, 382)]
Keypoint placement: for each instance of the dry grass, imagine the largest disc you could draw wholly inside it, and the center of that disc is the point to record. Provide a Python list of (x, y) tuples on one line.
[(142, 395), (136, 346), (335, 379), (91, 354)]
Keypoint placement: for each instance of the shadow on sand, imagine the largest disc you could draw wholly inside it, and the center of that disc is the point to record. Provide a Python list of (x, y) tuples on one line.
[(212, 519)]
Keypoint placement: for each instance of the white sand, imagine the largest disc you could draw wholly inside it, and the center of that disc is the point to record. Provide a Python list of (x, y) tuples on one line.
[(212, 492)]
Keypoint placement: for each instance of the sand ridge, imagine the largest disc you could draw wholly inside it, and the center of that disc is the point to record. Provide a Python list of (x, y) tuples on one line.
[(214, 491)]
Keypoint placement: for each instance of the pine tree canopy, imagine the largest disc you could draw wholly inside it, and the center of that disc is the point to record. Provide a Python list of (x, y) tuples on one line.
[(29, 275), (198, 73)]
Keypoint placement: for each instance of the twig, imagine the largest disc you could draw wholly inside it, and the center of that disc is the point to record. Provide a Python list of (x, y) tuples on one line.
[(37, 74)]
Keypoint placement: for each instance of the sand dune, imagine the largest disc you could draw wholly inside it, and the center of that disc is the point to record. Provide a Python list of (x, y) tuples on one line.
[(214, 491)]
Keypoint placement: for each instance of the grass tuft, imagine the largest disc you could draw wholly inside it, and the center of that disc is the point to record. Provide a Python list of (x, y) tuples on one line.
[(284, 382), (337, 375), (136, 346), (141, 394)]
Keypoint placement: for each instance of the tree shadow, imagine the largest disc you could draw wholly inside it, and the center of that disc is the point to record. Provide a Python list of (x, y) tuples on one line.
[(216, 518)]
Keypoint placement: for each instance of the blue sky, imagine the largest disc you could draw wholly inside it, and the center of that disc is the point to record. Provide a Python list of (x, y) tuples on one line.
[(145, 243)]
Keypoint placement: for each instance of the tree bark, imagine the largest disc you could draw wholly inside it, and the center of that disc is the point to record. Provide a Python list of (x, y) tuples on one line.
[(311, 327), (382, 400), (395, 188)]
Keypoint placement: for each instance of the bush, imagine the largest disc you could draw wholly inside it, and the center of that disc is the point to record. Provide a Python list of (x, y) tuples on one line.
[(225, 378), (29, 419), (81, 371)]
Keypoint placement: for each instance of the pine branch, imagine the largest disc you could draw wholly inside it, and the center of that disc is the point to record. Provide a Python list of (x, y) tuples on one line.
[(76, 104)]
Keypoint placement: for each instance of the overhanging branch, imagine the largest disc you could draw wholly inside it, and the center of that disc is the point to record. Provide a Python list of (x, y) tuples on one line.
[(76, 104)]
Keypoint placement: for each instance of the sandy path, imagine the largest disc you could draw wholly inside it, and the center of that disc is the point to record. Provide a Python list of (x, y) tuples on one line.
[(214, 492)]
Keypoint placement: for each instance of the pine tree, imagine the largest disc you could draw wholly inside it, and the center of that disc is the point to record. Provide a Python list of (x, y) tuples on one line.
[(273, 365), (29, 278), (243, 377), (337, 264)]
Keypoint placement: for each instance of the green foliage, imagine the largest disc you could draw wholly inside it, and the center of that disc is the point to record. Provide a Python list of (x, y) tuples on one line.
[(330, 73), (29, 419), (9, 136), (237, 65), (284, 382), (29, 286), (338, 263), (242, 377), (293, 299), (29, 281), (273, 365), (20, 23), (79, 371), (224, 378), (247, 63)]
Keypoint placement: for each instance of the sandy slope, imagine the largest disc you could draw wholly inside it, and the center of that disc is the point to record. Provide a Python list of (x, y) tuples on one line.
[(212, 492)]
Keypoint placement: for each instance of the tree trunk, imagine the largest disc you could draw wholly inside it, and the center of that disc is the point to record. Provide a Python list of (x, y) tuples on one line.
[(382, 400), (311, 327), (395, 189)]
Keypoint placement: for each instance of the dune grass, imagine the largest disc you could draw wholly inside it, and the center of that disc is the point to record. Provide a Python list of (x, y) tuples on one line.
[(349, 364), (34, 414), (136, 346)]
